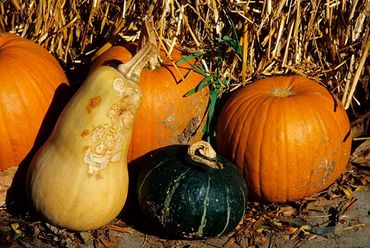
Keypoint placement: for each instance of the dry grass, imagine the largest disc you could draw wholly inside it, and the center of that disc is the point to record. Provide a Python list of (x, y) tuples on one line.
[(327, 40)]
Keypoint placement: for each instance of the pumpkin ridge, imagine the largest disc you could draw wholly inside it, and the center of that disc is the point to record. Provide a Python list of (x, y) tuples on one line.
[(306, 111), (294, 165), (252, 115), (22, 104), (264, 121), (276, 119), (231, 111), (290, 152), (336, 147), (234, 131), (7, 148), (314, 109), (238, 130), (324, 128), (283, 129), (35, 88)]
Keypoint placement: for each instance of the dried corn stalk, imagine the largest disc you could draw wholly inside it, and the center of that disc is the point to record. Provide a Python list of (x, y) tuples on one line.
[(327, 40)]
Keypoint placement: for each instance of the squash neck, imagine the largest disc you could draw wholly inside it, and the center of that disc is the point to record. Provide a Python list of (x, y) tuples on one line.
[(132, 69)]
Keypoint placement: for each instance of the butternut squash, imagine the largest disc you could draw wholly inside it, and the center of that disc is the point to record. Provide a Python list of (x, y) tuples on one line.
[(78, 179)]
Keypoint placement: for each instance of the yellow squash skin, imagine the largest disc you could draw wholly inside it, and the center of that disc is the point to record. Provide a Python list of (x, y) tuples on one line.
[(79, 180)]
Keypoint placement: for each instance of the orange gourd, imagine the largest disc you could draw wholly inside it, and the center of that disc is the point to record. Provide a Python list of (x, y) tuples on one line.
[(29, 76), (165, 116), (289, 136)]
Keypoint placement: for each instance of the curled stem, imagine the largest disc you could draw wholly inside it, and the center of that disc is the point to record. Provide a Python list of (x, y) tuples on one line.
[(207, 155)]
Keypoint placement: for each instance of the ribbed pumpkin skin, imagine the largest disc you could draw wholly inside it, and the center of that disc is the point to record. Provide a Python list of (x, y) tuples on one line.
[(29, 76), (189, 199), (288, 147), (164, 112)]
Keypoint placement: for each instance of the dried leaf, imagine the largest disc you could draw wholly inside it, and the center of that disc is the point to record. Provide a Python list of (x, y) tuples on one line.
[(121, 229), (295, 234), (15, 227), (287, 211), (362, 154), (6, 179), (290, 229), (321, 204), (348, 192), (260, 228), (361, 188), (278, 224)]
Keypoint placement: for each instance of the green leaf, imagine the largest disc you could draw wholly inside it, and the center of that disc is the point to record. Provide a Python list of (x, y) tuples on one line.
[(200, 70), (190, 57), (204, 83), (233, 43), (209, 129)]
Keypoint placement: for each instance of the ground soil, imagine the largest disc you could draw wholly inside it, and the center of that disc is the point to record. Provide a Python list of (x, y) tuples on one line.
[(23, 230)]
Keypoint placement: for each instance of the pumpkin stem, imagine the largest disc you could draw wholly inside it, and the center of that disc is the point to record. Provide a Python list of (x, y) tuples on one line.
[(207, 155), (281, 92), (132, 69)]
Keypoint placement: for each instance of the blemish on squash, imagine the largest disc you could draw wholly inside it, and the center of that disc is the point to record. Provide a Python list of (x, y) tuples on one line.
[(189, 130), (327, 167), (85, 132), (93, 103), (108, 139)]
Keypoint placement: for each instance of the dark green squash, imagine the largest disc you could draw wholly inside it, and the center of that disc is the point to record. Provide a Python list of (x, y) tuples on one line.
[(191, 192)]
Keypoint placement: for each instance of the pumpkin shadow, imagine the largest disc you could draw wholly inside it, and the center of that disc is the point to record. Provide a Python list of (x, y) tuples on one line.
[(131, 213), (16, 200)]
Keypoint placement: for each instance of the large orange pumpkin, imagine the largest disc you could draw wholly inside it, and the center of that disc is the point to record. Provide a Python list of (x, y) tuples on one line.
[(165, 116), (288, 135), (29, 76)]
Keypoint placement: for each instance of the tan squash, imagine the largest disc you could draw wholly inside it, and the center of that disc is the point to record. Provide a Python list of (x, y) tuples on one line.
[(78, 179)]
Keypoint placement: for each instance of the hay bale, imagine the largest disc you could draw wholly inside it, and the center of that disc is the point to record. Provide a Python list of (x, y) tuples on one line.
[(324, 40)]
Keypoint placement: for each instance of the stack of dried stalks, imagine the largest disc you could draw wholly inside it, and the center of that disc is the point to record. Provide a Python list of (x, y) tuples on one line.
[(324, 39)]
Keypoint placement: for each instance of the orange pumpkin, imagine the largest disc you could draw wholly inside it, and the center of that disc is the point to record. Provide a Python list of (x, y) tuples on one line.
[(289, 136), (29, 76), (165, 116)]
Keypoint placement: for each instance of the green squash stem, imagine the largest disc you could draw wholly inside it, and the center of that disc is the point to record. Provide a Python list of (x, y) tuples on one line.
[(207, 155)]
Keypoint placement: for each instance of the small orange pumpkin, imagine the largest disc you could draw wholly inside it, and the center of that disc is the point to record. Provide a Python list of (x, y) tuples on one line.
[(289, 136), (165, 116), (29, 76)]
